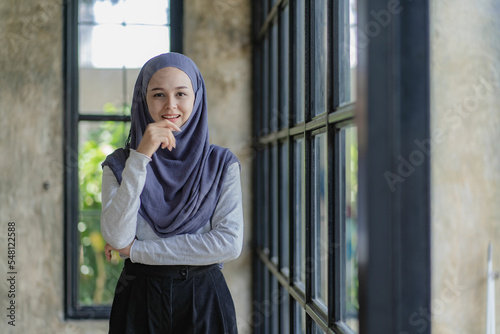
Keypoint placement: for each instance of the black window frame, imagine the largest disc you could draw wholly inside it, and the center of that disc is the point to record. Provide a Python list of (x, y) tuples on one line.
[(391, 112), (394, 223), (267, 269), (71, 119)]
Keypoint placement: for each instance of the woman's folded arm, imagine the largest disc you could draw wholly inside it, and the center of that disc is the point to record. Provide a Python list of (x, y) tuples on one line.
[(223, 243), (120, 202)]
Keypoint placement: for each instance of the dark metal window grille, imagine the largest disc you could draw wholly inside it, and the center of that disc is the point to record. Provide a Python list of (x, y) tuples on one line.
[(303, 168)]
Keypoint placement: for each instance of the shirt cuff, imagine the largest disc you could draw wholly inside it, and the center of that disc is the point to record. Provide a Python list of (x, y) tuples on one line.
[(132, 251)]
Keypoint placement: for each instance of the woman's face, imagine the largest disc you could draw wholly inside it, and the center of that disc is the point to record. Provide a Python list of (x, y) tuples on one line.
[(170, 96)]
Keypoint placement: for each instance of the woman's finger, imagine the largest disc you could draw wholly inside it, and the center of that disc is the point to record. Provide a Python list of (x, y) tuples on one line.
[(167, 139), (171, 125), (171, 138), (107, 251), (165, 142)]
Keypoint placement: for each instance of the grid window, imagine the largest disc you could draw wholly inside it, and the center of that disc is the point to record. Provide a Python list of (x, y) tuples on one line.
[(306, 166), (107, 42)]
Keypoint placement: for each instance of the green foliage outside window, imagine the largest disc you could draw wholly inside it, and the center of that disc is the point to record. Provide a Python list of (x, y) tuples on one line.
[(97, 277)]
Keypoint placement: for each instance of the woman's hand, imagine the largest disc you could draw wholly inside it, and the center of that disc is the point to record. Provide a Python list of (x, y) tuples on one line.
[(156, 134), (125, 251)]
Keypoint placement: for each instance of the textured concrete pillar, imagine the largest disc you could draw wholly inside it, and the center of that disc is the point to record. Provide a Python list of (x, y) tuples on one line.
[(465, 95)]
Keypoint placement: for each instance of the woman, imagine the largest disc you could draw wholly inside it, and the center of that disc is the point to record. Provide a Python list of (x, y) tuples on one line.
[(172, 207)]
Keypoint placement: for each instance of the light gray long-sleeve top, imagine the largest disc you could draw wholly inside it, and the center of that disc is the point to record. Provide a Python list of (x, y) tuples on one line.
[(219, 240)]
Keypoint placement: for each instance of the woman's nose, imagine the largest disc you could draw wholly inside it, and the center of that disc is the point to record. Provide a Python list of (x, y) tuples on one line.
[(169, 103)]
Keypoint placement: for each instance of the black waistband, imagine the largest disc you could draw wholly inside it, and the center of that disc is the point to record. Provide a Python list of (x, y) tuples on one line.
[(173, 272)]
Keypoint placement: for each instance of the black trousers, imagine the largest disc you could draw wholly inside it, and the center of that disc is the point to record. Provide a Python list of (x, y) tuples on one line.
[(173, 300)]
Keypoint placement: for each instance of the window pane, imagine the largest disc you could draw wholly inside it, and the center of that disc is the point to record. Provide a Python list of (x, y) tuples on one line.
[(106, 12), (353, 45), (102, 11), (284, 67), (259, 188), (299, 224), (320, 245), (102, 91), (273, 98), (265, 9), (150, 12), (299, 315), (264, 127), (317, 329), (348, 57), (265, 201), (258, 93), (274, 302), (284, 311), (320, 56), (258, 318), (299, 49), (130, 77), (283, 209), (303, 321), (350, 182), (273, 207), (156, 13), (266, 299), (97, 277), (123, 33), (116, 46)]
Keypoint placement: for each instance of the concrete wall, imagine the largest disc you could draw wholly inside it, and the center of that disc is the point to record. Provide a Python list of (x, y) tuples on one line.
[(31, 143), (31, 146), (465, 76)]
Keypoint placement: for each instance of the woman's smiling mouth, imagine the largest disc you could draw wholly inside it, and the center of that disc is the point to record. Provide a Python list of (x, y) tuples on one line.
[(171, 118)]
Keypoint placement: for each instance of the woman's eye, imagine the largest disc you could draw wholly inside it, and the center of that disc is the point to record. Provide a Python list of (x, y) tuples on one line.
[(181, 94), (158, 95)]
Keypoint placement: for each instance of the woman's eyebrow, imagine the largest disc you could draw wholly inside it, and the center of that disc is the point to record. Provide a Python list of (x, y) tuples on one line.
[(159, 88)]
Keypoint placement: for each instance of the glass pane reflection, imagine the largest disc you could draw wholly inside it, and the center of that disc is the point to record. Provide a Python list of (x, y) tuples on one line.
[(350, 183), (353, 46), (299, 224), (299, 68), (320, 56), (320, 218)]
